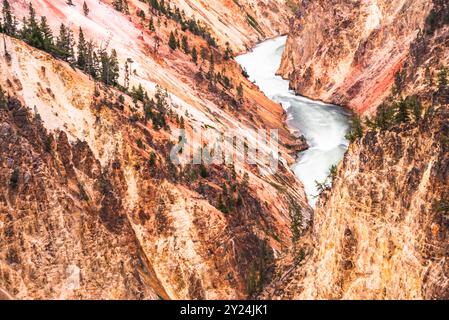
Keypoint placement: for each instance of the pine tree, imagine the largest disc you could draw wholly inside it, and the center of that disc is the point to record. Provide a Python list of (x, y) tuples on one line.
[(355, 131), (141, 14), (157, 42), (70, 46), (415, 106), (109, 67), (92, 60), (162, 7), (442, 78), (428, 76), (152, 159), (384, 117), (85, 9), (398, 82), (82, 51), (125, 6), (104, 70), (181, 123), (211, 73), (203, 53), (3, 99), (173, 44), (23, 33), (32, 23), (31, 32), (70, 2), (240, 92), (47, 35), (228, 52), (65, 43), (185, 45), (194, 55), (117, 4), (402, 114), (151, 25), (114, 65), (89, 59), (9, 24)]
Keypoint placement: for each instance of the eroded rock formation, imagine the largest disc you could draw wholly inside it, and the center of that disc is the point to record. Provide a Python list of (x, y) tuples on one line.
[(347, 52)]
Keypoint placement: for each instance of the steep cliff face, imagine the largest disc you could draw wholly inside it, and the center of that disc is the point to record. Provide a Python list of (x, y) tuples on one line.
[(382, 230), (91, 205), (347, 52)]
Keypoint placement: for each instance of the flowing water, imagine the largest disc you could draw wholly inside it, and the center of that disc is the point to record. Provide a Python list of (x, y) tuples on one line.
[(324, 126)]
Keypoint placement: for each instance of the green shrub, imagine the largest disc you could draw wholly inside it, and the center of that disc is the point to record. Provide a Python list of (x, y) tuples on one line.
[(355, 131)]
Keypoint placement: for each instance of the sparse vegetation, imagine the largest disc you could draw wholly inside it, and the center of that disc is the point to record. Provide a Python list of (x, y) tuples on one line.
[(253, 23), (121, 5), (259, 269), (296, 221), (160, 7), (442, 78), (3, 99), (229, 54), (172, 42), (140, 144), (82, 193), (442, 206), (355, 131), (152, 160), (438, 17), (402, 111), (300, 255), (14, 179), (98, 63), (327, 183), (85, 9), (399, 82), (194, 55)]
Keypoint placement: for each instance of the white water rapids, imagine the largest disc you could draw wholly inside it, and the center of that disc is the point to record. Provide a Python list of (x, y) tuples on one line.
[(324, 126)]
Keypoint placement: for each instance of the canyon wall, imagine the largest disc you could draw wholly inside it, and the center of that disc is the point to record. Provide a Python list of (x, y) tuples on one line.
[(347, 52), (91, 207), (381, 231)]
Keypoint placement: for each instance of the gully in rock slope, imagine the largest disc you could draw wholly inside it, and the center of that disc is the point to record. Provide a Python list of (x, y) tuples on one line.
[(323, 125)]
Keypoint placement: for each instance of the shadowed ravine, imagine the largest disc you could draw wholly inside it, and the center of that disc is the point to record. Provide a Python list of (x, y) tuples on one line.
[(324, 126)]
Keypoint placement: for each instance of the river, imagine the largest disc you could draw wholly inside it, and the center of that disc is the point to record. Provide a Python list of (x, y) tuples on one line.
[(323, 125)]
